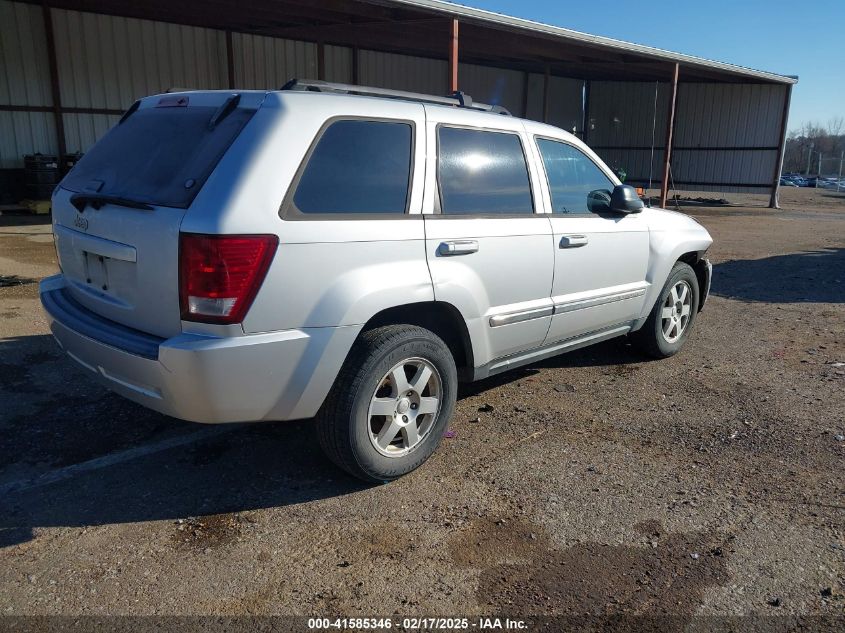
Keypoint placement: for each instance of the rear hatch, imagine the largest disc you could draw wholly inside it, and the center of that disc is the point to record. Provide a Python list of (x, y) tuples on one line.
[(117, 214)]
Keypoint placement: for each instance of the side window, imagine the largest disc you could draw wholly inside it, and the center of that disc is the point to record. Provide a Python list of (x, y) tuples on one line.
[(482, 172), (576, 184), (357, 167)]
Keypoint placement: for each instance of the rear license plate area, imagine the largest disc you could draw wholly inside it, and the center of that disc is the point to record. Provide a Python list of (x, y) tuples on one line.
[(96, 271)]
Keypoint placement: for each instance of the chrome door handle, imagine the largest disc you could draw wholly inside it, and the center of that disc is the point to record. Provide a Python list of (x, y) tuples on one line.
[(457, 247), (573, 241)]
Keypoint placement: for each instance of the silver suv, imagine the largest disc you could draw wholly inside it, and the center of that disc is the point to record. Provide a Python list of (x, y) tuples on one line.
[(350, 254)]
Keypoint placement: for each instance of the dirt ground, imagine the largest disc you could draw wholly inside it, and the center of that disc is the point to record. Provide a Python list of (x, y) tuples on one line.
[(709, 484)]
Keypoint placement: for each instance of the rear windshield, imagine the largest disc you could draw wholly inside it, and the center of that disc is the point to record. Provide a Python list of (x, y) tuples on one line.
[(160, 155)]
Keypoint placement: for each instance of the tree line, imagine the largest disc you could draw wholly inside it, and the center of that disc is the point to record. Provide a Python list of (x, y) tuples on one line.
[(812, 141)]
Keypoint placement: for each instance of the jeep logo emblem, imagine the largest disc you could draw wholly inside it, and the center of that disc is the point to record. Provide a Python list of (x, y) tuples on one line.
[(81, 222)]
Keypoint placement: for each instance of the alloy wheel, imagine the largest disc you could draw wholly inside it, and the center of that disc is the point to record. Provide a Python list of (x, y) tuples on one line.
[(404, 407), (676, 312)]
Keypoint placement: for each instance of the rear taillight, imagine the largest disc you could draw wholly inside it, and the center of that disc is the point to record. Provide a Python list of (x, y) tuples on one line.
[(219, 275)]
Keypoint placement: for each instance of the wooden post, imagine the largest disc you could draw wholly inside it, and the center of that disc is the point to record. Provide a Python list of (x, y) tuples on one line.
[(453, 58), (670, 128), (230, 59), (774, 203), (546, 96), (54, 81)]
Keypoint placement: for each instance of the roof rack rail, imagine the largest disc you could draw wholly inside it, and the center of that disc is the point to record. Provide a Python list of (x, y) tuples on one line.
[(458, 99)]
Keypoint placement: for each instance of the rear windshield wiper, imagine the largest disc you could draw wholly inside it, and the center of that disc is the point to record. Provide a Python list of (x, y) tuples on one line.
[(97, 200)]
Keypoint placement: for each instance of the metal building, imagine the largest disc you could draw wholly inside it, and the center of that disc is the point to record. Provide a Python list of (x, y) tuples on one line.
[(68, 68)]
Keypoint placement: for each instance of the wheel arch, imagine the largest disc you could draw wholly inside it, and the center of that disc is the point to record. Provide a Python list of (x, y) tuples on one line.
[(442, 318), (695, 260)]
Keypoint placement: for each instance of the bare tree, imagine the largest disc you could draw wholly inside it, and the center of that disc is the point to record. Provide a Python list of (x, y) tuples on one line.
[(806, 144)]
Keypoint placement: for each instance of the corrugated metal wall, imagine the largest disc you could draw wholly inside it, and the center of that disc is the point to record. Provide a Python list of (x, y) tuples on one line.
[(403, 72), (24, 81), (268, 62), (495, 86), (726, 134), (623, 114), (108, 62), (534, 101), (625, 120), (338, 64), (25, 133), (566, 102)]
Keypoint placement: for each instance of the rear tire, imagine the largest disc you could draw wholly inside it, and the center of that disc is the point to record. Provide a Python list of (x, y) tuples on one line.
[(671, 319), (390, 404)]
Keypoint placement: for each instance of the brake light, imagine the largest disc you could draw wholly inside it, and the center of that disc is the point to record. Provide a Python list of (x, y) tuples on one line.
[(219, 275)]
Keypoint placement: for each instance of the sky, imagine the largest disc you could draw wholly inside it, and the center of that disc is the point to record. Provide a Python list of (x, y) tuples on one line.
[(788, 38)]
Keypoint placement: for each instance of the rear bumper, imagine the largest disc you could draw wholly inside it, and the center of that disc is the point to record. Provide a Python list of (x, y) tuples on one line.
[(273, 376)]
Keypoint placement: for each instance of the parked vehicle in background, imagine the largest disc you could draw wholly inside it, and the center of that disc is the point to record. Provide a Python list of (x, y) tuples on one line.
[(829, 183), (350, 254), (788, 182), (796, 179)]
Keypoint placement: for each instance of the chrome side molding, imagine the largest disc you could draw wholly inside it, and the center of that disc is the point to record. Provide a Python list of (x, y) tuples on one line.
[(569, 306), (508, 318), (522, 315)]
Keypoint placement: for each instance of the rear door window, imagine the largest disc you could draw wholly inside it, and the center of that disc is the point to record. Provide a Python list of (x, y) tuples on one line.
[(576, 183), (482, 172), (159, 155), (357, 167)]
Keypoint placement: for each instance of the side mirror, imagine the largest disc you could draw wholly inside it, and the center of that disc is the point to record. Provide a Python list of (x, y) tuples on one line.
[(624, 199)]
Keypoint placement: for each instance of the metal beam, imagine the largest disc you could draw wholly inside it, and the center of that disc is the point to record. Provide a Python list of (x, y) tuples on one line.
[(355, 65), (546, 96), (525, 79), (774, 203), (585, 126), (453, 58), (321, 60), (54, 80), (230, 60), (670, 128)]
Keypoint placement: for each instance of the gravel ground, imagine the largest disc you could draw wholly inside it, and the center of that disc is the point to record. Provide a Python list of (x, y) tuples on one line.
[(597, 482)]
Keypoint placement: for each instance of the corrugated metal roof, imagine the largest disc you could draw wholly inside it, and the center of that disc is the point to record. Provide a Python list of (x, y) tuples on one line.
[(490, 18)]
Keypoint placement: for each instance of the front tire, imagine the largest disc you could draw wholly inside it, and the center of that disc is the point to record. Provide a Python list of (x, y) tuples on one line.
[(390, 404), (671, 319)]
